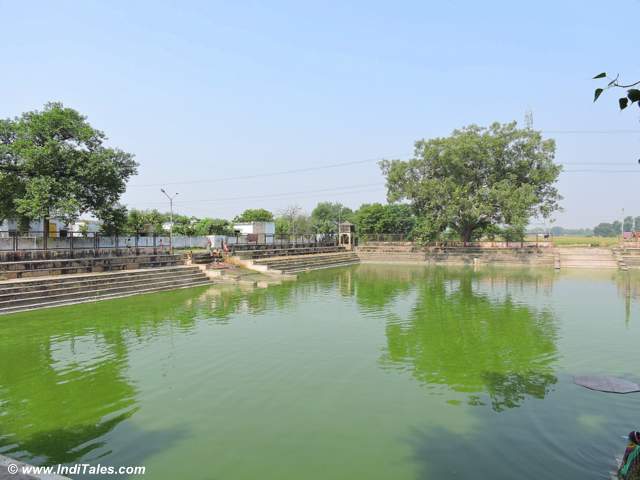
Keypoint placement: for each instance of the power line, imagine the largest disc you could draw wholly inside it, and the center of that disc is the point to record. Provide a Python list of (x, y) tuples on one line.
[(590, 132), (323, 167), (371, 160), (343, 189), (599, 164), (601, 171), (269, 174)]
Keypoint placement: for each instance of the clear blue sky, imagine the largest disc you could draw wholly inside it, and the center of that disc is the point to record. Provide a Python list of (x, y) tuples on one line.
[(203, 90)]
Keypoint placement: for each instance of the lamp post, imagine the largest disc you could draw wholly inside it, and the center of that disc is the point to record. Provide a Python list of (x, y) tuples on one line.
[(338, 229), (622, 228), (170, 218)]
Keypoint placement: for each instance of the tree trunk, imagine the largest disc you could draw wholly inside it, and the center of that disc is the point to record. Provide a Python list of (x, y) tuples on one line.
[(466, 233)]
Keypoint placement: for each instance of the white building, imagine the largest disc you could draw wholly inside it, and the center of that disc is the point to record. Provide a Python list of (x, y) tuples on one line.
[(256, 232), (92, 226), (35, 226)]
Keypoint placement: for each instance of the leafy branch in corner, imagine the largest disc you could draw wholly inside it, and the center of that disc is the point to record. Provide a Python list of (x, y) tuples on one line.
[(632, 96)]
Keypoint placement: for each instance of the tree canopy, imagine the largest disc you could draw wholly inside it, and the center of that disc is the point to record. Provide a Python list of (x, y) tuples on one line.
[(53, 163), (390, 218), (254, 215), (292, 220), (477, 179), (326, 215), (213, 226)]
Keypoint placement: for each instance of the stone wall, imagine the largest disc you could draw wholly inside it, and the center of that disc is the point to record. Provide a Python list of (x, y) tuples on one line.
[(409, 253), (25, 255)]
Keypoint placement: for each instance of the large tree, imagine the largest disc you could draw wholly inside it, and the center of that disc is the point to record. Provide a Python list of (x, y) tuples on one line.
[(326, 215), (293, 221), (213, 226), (254, 215), (390, 218), (477, 179), (53, 163)]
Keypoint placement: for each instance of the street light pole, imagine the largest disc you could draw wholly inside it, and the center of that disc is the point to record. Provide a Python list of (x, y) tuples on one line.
[(339, 212), (622, 229), (170, 218)]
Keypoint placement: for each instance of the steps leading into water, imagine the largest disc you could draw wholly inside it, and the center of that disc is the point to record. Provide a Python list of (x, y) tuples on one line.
[(628, 257), (268, 251), (592, 258), (29, 294), (302, 263)]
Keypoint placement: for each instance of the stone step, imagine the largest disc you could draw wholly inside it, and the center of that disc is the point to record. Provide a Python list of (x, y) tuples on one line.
[(280, 265), (59, 280), (284, 264), (261, 261), (320, 267), (267, 253), (80, 270), (91, 285), (306, 261), (587, 259), (309, 262), (594, 267), (398, 258), (48, 297), (152, 289), (585, 255)]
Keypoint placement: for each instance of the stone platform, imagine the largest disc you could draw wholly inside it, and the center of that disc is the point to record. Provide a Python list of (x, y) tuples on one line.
[(51, 291)]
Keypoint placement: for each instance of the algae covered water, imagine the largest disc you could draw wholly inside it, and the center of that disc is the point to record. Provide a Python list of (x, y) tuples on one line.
[(373, 371)]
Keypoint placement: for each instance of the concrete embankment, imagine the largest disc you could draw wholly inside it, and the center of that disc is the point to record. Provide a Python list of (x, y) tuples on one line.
[(559, 257), (410, 253)]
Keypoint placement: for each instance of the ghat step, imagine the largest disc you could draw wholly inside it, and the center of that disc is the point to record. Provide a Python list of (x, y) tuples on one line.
[(22, 295), (597, 258), (296, 264)]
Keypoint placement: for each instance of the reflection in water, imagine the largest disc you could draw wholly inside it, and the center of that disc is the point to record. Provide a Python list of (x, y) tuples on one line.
[(472, 339), (73, 385), (628, 285), (64, 385)]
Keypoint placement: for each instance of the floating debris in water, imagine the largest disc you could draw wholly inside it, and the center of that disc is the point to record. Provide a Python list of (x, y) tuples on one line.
[(607, 384)]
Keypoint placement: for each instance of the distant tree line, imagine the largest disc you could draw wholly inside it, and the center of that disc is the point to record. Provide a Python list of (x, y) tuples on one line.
[(154, 222), (613, 229), (479, 182), (603, 229)]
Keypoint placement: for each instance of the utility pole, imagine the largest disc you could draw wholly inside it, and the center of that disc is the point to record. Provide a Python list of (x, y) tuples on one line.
[(170, 218), (622, 228), (338, 229)]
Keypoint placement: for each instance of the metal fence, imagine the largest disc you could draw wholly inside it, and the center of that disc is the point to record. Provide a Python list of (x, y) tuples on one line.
[(12, 241), (35, 240), (266, 240), (383, 237)]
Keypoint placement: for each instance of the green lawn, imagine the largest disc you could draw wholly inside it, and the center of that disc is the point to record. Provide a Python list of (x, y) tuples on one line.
[(585, 241)]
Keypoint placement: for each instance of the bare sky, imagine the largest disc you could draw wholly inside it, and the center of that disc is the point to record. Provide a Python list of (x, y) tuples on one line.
[(204, 91)]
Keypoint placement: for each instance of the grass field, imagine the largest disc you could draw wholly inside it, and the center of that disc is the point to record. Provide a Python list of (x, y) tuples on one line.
[(574, 240)]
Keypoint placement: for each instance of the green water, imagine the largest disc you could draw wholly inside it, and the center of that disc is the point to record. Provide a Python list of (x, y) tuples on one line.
[(372, 372)]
